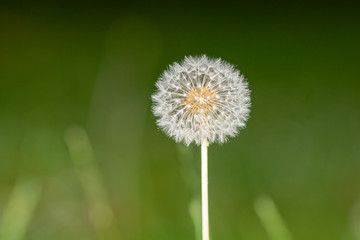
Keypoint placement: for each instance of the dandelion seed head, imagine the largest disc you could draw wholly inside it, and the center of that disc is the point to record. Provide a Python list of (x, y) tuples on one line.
[(201, 98)]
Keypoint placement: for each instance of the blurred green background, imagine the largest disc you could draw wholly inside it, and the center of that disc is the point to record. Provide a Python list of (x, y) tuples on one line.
[(81, 156)]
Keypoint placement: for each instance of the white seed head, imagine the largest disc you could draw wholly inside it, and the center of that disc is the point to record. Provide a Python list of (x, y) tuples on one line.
[(201, 98)]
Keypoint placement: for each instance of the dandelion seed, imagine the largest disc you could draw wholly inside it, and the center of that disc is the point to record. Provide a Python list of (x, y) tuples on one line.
[(202, 100), (205, 89)]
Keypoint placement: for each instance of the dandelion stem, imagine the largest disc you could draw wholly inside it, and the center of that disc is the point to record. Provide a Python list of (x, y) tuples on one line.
[(204, 190)]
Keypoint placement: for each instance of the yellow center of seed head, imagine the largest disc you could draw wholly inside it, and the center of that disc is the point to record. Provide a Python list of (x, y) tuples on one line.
[(200, 100)]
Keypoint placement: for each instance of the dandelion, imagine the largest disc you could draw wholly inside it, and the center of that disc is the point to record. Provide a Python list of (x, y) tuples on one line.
[(202, 101)]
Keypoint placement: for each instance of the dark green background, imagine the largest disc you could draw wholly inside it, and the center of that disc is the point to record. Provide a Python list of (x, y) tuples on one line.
[(94, 66)]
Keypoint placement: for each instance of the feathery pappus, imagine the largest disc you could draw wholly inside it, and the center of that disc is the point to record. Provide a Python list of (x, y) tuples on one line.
[(201, 98)]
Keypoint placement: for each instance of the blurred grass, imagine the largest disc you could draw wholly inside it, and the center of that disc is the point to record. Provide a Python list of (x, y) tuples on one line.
[(19, 210), (94, 66), (271, 219), (100, 211)]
